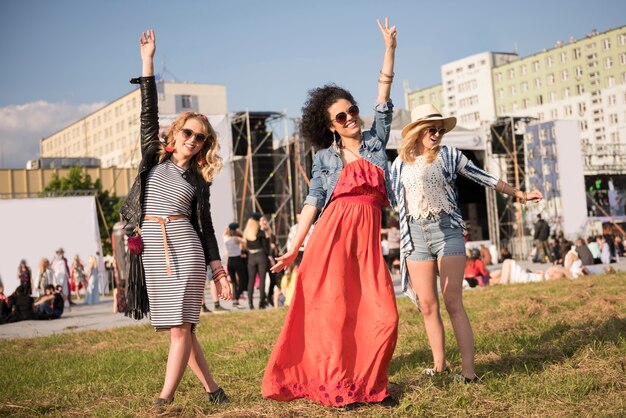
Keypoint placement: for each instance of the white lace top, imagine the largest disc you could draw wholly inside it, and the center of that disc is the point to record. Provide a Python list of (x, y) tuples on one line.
[(425, 188)]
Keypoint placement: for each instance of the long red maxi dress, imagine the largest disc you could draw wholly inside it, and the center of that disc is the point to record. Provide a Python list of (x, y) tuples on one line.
[(341, 329)]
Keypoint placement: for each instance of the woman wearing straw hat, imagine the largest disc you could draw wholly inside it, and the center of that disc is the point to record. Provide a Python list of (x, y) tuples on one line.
[(432, 229)]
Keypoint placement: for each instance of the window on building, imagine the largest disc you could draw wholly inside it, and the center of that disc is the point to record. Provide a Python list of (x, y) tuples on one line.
[(611, 100), (567, 110), (553, 96), (512, 90), (549, 61), (576, 53), (566, 92), (608, 62), (554, 114), (525, 103), (540, 99), (499, 77), (613, 119), (622, 59), (523, 69), (564, 75), (622, 38), (610, 81), (540, 116), (511, 73), (607, 44), (536, 66), (537, 82), (524, 86), (579, 71), (580, 89), (550, 79)]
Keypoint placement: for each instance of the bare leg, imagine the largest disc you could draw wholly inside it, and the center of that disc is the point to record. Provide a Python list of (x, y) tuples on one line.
[(424, 281), (505, 276), (177, 359), (199, 366), (451, 276)]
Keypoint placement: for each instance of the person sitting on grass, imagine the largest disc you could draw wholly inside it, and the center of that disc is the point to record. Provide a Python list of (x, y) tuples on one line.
[(50, 305), (475, 273), (20, 305)]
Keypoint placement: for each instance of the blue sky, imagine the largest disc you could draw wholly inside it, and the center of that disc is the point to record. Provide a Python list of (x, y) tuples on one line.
[(62, 59)]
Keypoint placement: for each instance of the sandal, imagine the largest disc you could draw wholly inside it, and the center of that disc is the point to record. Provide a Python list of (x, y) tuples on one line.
[(433, 372), (160, 404), (218, 397), (459, 378)]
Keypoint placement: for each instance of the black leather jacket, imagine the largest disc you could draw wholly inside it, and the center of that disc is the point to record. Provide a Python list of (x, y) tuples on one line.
[(132, 208)]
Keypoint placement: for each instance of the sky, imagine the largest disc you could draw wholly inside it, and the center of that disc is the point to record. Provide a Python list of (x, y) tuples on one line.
[(61, 60)]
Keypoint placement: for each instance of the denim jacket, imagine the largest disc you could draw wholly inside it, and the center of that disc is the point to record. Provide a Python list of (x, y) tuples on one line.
[(454, 162), (327, 164)]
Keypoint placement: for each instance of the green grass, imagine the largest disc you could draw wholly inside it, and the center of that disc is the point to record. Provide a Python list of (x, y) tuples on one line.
[(546, 349)]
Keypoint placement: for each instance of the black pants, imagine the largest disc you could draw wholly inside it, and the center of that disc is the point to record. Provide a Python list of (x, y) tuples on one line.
[(257, 263), (238, 274), (275, 279)]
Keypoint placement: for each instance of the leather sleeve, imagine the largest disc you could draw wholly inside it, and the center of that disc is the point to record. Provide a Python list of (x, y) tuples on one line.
[(208, 231), (149, 116)]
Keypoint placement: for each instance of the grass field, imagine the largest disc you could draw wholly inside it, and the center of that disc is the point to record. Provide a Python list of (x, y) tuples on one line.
[(546, 349)]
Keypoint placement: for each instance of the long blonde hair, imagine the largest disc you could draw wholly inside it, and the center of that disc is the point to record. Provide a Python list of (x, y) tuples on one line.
[(206, 162), (252, 229), (408, 147)]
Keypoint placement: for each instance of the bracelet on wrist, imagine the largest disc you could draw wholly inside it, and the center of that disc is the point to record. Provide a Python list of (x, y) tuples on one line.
[(387, 75), (384, 81)]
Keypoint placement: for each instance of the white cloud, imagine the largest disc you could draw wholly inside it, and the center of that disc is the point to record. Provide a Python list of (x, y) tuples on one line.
[(22, 126)]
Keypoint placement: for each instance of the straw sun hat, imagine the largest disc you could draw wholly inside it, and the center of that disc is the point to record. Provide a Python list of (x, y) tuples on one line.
[(428, 113)]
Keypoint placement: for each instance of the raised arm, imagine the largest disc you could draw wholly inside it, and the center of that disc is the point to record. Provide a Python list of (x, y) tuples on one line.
[(385, 78), (148, 48)]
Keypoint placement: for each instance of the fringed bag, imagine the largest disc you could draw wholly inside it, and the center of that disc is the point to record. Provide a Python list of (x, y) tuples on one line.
[(137, 304)]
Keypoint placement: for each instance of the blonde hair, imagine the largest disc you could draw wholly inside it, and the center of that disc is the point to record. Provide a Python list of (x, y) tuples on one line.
[(206, 162), (252, 229), (43, 264), (408, 147)]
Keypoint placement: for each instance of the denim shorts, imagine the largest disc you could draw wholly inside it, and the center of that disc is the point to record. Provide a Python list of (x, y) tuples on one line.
[(435, 238)]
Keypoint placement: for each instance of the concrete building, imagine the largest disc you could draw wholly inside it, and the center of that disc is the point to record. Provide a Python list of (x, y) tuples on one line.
[(112, 132), (582, 80)]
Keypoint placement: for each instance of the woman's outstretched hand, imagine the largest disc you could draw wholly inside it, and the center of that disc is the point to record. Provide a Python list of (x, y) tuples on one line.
[(285, 261), (147, 41), (389, 33), (534, 196)]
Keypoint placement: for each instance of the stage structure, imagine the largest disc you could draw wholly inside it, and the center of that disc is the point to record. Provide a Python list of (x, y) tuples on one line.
[(270, 169), (506, 159)]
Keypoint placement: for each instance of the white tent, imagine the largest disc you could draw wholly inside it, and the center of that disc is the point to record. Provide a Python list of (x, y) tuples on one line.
[(33, 229)]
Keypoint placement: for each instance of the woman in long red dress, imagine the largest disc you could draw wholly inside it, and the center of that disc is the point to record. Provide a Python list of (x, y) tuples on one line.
[(341, 329)]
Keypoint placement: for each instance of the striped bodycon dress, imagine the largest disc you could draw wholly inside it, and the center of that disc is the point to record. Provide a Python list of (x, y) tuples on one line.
[(174, 299)]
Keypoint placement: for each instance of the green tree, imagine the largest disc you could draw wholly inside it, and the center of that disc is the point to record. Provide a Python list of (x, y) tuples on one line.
[(78, 181)]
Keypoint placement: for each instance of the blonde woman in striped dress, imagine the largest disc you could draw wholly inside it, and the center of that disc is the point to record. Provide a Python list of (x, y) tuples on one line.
[(170, 200)]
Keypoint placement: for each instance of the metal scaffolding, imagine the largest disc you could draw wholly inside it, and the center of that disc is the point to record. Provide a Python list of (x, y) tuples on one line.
[(505, 149), (269, 164)]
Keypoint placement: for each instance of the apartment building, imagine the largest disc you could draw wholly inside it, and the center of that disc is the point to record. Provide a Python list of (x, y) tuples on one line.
[(582, 80), (111, 133)]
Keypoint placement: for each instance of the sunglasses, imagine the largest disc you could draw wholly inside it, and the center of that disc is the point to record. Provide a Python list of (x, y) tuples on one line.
[(432, 131), (342, 117), (188, 133)]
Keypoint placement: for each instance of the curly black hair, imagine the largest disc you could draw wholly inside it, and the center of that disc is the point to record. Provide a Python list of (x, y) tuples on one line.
[(315, 119)]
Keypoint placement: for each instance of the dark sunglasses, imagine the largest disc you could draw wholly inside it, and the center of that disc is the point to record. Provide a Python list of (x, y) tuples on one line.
[(342, 117), (432, 131), (188, 133)]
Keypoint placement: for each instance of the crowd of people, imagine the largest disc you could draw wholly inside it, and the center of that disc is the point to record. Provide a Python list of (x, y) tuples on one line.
[(56, 285)]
